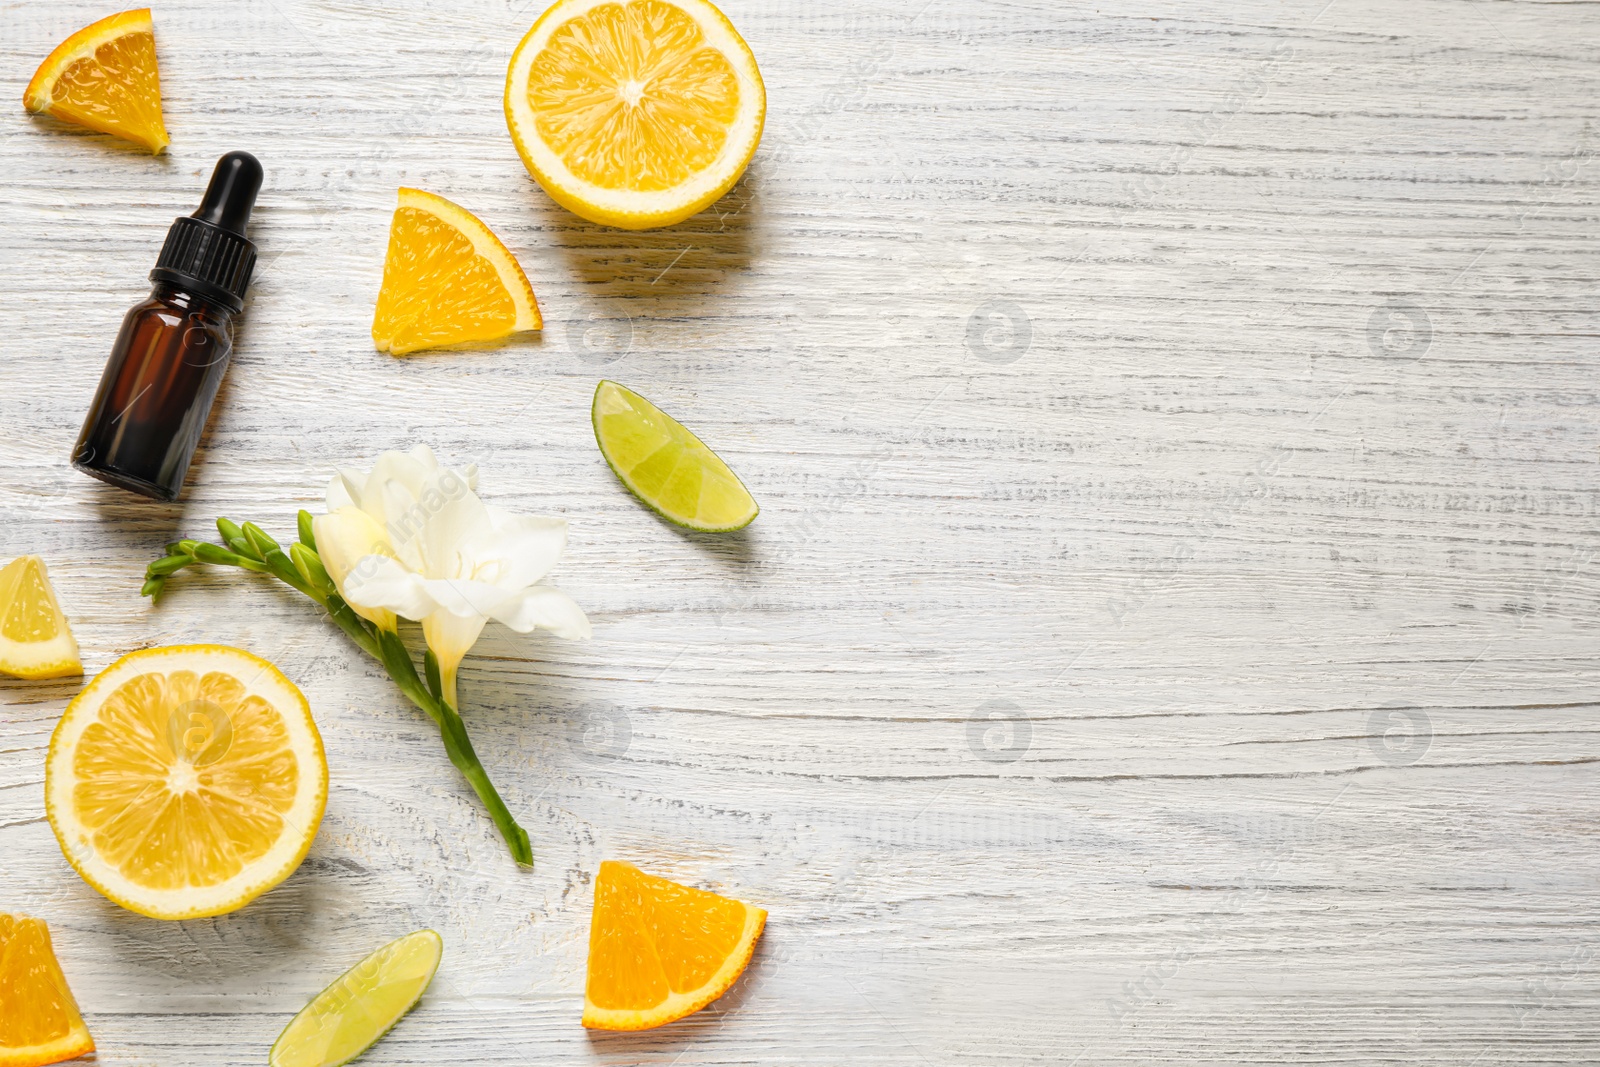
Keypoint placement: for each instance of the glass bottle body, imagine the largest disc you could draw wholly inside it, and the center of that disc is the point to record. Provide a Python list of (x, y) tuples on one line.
[(156, 392)]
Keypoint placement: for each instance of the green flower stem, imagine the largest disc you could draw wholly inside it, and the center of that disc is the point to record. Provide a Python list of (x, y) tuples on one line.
[(447, 685), (430, 664), (302, 570), (283, 567), (397, 661), (359, 629), (459, 746)]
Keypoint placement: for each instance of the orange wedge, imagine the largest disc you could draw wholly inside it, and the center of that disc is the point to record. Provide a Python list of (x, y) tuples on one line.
[(39, 1020), (447, 280), (105, 77), (659, 950)]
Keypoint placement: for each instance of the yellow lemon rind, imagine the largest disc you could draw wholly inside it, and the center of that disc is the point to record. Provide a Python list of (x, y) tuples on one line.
[(624, 209), (83, 43), (39, 660), (678, 1005), (190, 903), (484, 244)]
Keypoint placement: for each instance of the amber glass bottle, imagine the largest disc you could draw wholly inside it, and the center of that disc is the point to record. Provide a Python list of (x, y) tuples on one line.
[(173, 349)]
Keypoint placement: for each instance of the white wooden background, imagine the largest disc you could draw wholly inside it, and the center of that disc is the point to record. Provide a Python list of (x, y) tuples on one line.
[(1205, 388)]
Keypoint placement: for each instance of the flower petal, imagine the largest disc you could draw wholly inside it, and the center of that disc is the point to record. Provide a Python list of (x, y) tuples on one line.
[(465, 597), (527, 547), (544, 607), (347, 539), (392, 487), (424, 458), (392, 504), (380, 582), (451, 638), (341, 493), (456, 520)]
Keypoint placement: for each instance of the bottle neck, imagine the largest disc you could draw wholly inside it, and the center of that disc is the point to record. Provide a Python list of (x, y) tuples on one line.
[(189, 298)]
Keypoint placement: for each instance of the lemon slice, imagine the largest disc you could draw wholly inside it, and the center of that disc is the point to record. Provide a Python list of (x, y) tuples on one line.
[(35, 641), (39, 1019), (665, 465), (353, 1013), (105, 77), (186, 781), (635, 114), (447, 280)]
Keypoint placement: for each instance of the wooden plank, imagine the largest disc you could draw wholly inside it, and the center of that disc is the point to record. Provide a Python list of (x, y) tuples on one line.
[(1169, 634)]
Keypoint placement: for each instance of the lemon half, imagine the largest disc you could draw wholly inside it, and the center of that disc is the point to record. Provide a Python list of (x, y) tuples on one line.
[(186, 781), (635, 114)]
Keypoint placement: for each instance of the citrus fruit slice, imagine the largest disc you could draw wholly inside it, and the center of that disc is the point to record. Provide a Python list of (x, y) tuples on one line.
[(353, 1013), (105, 77), (186, 781), (35, 641), (447, 280), (665, 465), (39, 1020), (635, 114), (659, 950)]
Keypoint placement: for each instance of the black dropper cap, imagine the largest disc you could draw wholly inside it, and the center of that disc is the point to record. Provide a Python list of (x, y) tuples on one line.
[(208, 251)]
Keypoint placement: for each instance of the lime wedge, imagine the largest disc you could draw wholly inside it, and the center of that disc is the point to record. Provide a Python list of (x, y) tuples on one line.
[(665, 465), (349, 1017)]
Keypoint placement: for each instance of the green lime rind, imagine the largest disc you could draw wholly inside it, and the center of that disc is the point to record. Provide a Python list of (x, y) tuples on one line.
[(661, 461), (381, 988)]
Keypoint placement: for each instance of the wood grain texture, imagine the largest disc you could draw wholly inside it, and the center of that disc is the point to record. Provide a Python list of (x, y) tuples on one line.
[(1169, 635)]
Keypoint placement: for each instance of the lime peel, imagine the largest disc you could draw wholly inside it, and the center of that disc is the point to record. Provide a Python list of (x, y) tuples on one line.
[(361, 1005)]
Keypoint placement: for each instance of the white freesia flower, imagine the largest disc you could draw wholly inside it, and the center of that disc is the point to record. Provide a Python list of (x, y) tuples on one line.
[(446, 559)]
